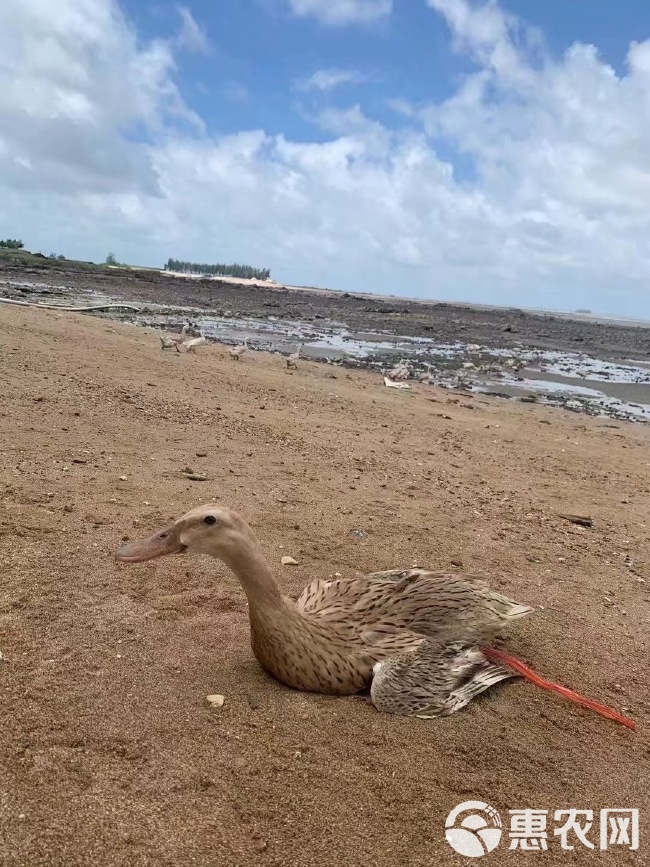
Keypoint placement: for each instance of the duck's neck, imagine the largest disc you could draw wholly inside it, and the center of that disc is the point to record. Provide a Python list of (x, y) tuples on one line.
[(248, 563)]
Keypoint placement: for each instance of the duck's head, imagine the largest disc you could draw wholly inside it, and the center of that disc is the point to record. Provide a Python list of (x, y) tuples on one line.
[(208, 529)]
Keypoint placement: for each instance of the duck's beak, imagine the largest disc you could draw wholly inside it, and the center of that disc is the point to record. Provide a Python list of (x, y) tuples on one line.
[(163, 542)]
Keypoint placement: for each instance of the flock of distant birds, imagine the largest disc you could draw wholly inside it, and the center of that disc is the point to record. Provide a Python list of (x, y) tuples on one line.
[(190, 338)]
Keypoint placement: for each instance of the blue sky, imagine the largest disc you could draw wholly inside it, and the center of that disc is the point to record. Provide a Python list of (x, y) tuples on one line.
[(451, 149), (259, 50)]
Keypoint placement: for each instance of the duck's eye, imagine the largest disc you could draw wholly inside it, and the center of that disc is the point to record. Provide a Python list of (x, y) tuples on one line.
[(209, 519)]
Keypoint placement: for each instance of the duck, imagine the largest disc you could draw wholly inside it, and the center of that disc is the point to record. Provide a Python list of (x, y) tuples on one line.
[(236, 352), (168, 343), (190, 345), (292, 360), (172, 342), (420, 641), (400, 373), (428, 377)]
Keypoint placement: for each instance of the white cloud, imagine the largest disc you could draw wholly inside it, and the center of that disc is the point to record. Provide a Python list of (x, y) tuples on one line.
[(563, 148), (336, 13), (74, 85), (550, 206), (191, 36), (327, 79), (486, 31)]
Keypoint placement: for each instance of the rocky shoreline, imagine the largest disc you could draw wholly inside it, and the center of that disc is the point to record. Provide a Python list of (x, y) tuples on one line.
[(443, 322)]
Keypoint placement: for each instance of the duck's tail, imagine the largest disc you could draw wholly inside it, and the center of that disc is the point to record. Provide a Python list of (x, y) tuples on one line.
[(525, 671)]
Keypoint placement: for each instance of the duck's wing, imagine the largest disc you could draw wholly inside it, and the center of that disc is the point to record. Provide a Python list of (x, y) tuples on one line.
[(435, 680), (321, 594), (315, 594), (327, 598), (441, 605), (337, 603)]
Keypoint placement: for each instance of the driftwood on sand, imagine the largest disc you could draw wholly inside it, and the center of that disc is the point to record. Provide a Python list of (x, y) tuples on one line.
[(70, 309)]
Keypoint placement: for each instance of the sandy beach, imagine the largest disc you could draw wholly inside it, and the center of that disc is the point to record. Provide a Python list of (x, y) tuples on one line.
[(110, 754)]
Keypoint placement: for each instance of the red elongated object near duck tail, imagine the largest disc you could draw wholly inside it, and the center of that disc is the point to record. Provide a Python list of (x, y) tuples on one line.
[(528, 673)]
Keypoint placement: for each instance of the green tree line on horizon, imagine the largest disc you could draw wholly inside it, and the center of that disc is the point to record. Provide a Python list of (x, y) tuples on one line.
[(246, 272)]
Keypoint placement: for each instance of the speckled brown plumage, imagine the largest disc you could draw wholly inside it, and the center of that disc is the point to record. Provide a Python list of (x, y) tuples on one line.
[(418, 630), (436, 679)]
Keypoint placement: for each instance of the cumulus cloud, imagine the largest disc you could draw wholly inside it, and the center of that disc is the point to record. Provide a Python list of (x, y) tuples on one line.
[(540, 197), (75, 88), (191, 36), (487, 32), (336, 13), (327, 79), (561, 146)]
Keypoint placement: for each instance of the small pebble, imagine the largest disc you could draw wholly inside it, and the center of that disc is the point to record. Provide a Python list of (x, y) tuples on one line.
[(123, 478), (289, 561), (216, 700)]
